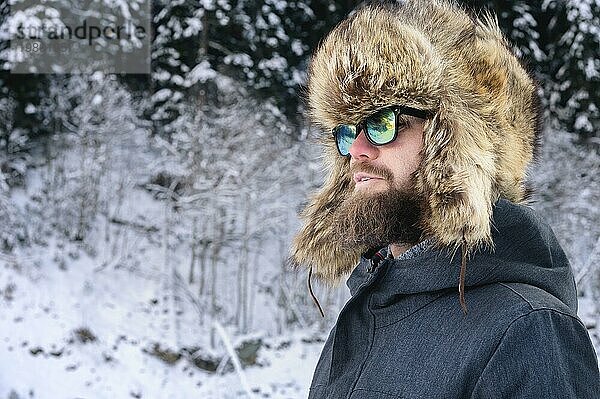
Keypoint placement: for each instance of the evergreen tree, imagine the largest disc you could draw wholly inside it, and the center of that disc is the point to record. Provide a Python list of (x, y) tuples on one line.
[(559, 41), (573, 49), (266, 45), (175, 31)]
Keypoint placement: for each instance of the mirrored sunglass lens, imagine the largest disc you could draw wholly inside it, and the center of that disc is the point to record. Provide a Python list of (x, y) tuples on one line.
[(344, 137), (381, 126)]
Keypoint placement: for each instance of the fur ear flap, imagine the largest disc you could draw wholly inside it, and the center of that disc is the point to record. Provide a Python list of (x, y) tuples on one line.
[(457, 179), (315, 245)]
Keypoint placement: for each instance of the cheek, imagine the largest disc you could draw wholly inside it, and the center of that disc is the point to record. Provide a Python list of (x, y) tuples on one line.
[(408, 167), (406, 162), (413, 147), (415, 159)]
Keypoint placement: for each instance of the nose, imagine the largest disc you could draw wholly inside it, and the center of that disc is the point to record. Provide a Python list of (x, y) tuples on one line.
[(361, 149)]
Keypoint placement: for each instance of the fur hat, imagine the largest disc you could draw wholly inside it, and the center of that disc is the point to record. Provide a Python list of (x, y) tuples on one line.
[(429, 55)]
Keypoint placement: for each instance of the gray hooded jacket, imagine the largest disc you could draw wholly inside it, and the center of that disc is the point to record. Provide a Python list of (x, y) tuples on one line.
[(403, 333)]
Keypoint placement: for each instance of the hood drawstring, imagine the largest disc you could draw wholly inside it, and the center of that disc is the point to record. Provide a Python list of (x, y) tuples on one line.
[(312, 294), (374, 254), (461, 280)]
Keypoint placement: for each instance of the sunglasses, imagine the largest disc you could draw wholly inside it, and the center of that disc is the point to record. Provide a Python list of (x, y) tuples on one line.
[(380, 128)]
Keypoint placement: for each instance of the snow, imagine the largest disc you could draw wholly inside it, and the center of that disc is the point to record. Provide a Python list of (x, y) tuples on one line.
[(194, 25), (89, 319), (297, 47), (273, 19), (592, 68), (54, 290), (162, 95), (97, 99), (582, 122), (115, 366), (201, 73), (239, 59), (275, 63)]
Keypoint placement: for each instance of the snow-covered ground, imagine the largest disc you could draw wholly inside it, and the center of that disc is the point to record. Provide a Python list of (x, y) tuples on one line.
[(76, 332), (90, 321)]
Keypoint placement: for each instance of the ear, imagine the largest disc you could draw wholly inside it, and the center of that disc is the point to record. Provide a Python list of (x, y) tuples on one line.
[(457, 179), (315, 245)]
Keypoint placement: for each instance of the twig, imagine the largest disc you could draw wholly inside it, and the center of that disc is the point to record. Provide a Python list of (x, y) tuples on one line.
[(234, 358)]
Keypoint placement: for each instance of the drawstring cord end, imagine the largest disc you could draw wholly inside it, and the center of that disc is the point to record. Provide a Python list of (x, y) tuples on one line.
[(461, 282), (312, 294)]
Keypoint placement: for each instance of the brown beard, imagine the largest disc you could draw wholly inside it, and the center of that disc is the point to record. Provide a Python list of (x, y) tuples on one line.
[(376, 220)]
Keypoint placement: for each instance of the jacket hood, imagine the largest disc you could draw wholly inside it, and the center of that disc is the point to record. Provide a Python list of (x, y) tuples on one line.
[(433, 56), (526, 251)]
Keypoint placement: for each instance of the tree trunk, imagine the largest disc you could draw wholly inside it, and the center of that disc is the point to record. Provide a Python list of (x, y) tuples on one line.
[(242, 308), (219, 225), (255, 276), (194, 249), (202, 271)]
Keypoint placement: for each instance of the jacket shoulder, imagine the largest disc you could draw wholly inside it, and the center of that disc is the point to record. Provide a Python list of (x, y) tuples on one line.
[(501, 303), (537, 332), (530, 297), (543, 353)]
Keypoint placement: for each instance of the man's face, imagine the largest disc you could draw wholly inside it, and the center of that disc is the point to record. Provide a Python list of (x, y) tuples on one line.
[(378, 168), (383, 207)]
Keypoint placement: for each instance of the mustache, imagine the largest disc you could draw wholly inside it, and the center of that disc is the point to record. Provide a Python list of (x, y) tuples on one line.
[(372, 169)]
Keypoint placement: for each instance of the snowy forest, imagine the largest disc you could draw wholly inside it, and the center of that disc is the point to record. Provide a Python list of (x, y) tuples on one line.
[(146, 218)]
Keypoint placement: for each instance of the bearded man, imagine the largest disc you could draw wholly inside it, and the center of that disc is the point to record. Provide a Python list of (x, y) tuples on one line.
[(461, 290)]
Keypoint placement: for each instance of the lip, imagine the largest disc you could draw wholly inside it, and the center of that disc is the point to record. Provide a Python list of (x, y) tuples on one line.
[(358, 177)]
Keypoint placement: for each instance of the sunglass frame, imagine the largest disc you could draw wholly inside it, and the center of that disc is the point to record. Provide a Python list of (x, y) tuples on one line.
[(362, 125)]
